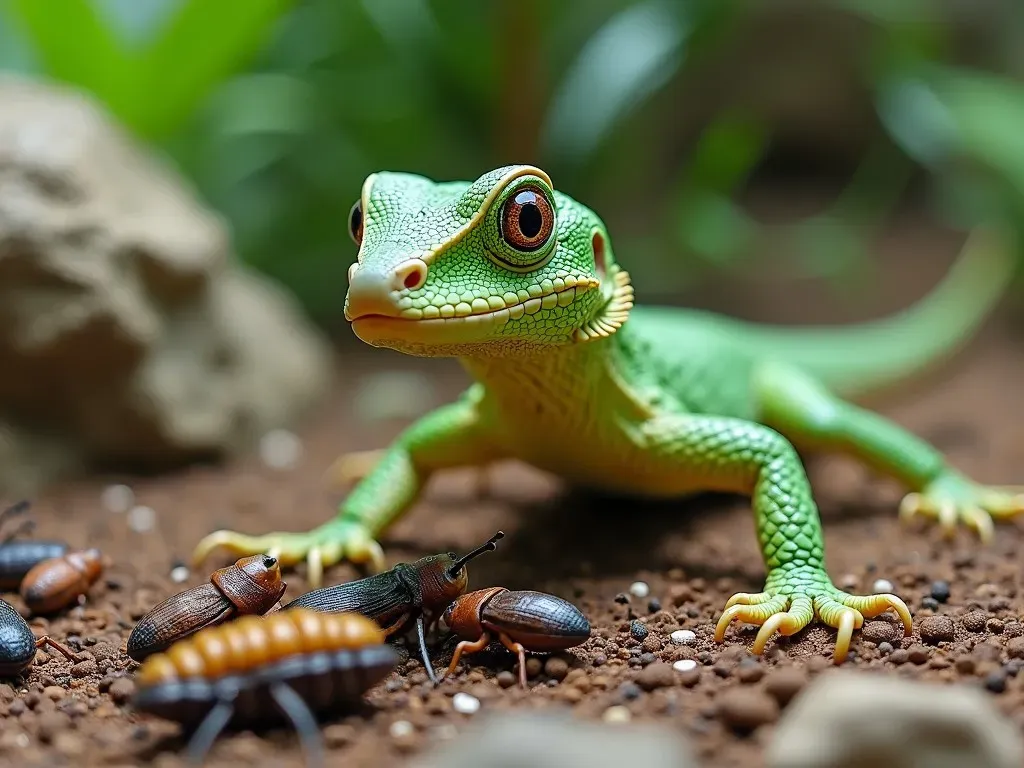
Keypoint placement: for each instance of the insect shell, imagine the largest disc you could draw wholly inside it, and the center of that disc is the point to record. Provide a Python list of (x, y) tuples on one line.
[(252, 585), (264, 670), (56, 583), (18, 644), (522, 621), (18, 557), (402, 595)]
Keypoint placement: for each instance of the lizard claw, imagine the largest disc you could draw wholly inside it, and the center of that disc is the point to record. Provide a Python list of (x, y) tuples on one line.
[(953, 499)]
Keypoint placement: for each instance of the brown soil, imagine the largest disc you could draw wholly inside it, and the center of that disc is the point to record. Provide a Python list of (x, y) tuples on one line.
[(693, 556)]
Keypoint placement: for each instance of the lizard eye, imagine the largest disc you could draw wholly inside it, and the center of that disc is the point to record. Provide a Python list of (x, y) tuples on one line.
[(527, 219), (355, 222)]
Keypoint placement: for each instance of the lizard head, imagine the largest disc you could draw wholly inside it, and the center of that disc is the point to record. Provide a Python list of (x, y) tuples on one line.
[(503, 264)]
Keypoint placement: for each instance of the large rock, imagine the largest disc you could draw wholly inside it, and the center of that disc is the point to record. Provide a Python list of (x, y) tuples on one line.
[(859, 720), (129, 334), (555, 739)]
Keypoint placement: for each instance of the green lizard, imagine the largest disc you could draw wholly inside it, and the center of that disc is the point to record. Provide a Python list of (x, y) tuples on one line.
[(518, 281)]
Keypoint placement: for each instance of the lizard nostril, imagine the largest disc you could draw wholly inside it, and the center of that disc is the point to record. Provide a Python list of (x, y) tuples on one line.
[(412, 274)]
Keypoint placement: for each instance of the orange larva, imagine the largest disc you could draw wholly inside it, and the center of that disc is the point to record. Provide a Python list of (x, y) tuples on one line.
[(264, 670)]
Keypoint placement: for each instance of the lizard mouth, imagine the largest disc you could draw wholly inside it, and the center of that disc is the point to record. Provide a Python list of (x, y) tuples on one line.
[(475, 326)]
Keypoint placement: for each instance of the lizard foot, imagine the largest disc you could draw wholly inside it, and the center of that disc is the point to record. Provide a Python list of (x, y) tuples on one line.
[(793, 598), (321, 547), (350, 468), (952, 499)]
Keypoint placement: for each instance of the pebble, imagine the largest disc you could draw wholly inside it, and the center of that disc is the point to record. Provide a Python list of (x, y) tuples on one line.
[(629, 691), (617, 714), (637, 630), (339, 735), (179, 574), (506, 679), (937, 629), (533, 667), (117, 498), (940, 591), (744, 710), (918, 654), (142, 519), (653, 605), (974, 621), (784, 683), (996, 681), (556, 667), (122, 690), (639, 589), (684, 636), (656, 675), (882, 585), (401, 729), (878, 632), (1015, 648), (85, 668), (749, 671), (899, 656), (280, 449), (930, 603), (54, 692), (465, 704), (995, 626), (885, 648), (684, 665), (622, 598)]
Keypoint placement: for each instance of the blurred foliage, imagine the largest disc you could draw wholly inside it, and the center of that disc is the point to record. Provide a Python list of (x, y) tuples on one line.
[(277, 110)]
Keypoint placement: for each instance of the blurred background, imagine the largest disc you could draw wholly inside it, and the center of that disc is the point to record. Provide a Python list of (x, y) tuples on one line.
[(791, 161), (717, 138)]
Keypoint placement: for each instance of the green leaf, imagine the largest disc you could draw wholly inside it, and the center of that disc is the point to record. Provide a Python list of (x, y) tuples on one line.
[(203, 43), (633, 55)]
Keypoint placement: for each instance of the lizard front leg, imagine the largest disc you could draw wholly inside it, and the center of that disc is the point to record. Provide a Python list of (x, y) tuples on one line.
[(450, 436), (803, 410), (713, 453)]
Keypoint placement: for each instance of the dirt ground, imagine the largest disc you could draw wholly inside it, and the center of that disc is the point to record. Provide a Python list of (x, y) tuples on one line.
[(692, 556)]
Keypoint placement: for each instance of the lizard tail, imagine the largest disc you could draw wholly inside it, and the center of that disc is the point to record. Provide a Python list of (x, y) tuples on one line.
[(878, 354)]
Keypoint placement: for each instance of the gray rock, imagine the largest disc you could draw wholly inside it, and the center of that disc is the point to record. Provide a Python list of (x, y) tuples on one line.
[(555, 739), (129, 333), (861, 720)]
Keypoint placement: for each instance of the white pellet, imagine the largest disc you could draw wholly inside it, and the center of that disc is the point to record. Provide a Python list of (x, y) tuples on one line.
[(617, 714), (684, 665), (465, 704), (179, 574), (401, 728), (141, 519), (280, 449), (683, 636), (882, 585), (639, 589), (117, 498)]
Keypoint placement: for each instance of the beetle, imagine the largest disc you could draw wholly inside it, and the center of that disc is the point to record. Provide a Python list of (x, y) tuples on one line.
[(523, 621), (252, 585), (18, 644), (405, 593), (264, 670), (18, 557), (56, 583)]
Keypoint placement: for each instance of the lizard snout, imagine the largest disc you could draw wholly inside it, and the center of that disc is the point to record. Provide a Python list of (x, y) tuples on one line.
[(376, 291)]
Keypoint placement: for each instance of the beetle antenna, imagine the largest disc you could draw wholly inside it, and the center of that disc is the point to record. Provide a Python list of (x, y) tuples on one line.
[(15, 509), (489, 546)]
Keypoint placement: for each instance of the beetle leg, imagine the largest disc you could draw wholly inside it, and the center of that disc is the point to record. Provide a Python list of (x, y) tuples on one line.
[(295, 709), (208, 731), (466, 646), (397, 625), (423, 651), (517, 649), (63, 650)]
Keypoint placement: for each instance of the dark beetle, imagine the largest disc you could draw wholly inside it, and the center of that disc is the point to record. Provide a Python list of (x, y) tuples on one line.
[(251, 586), (523, 621), (259, 670), (18, 557), (18, 644), (407, 592)]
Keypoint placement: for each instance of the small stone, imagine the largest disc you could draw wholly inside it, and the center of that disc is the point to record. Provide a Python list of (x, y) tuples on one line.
[(996, 681), (744, 710), (556, 667), (937, 629), (465, 704), (885, 648), (878, 632), (506, 679), (974, 621), (684, 636), (882, 585), (987, 652), (617, 714), (533, 667), (964, 665), (622, 597), (930, 603), (653, 605), (657, 675), (629, 691), (749, 672), (122, 690), (280, 449), (784, 683), (141, 519), (639, 589), (899, 656), (918, 654), (684, 665), (54, 692), (85, 668), (117, 498), (651, 644), (339, 735), (1015, 648), (401, 729), (179, 574), (940, 591), (995, 626), (637, 630)]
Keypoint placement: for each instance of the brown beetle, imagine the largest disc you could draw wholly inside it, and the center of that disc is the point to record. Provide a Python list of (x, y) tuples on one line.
[(258, 670), (56, 583), (18, 644), (523, 621), (18, 557), (252, 585), (406, 593)]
